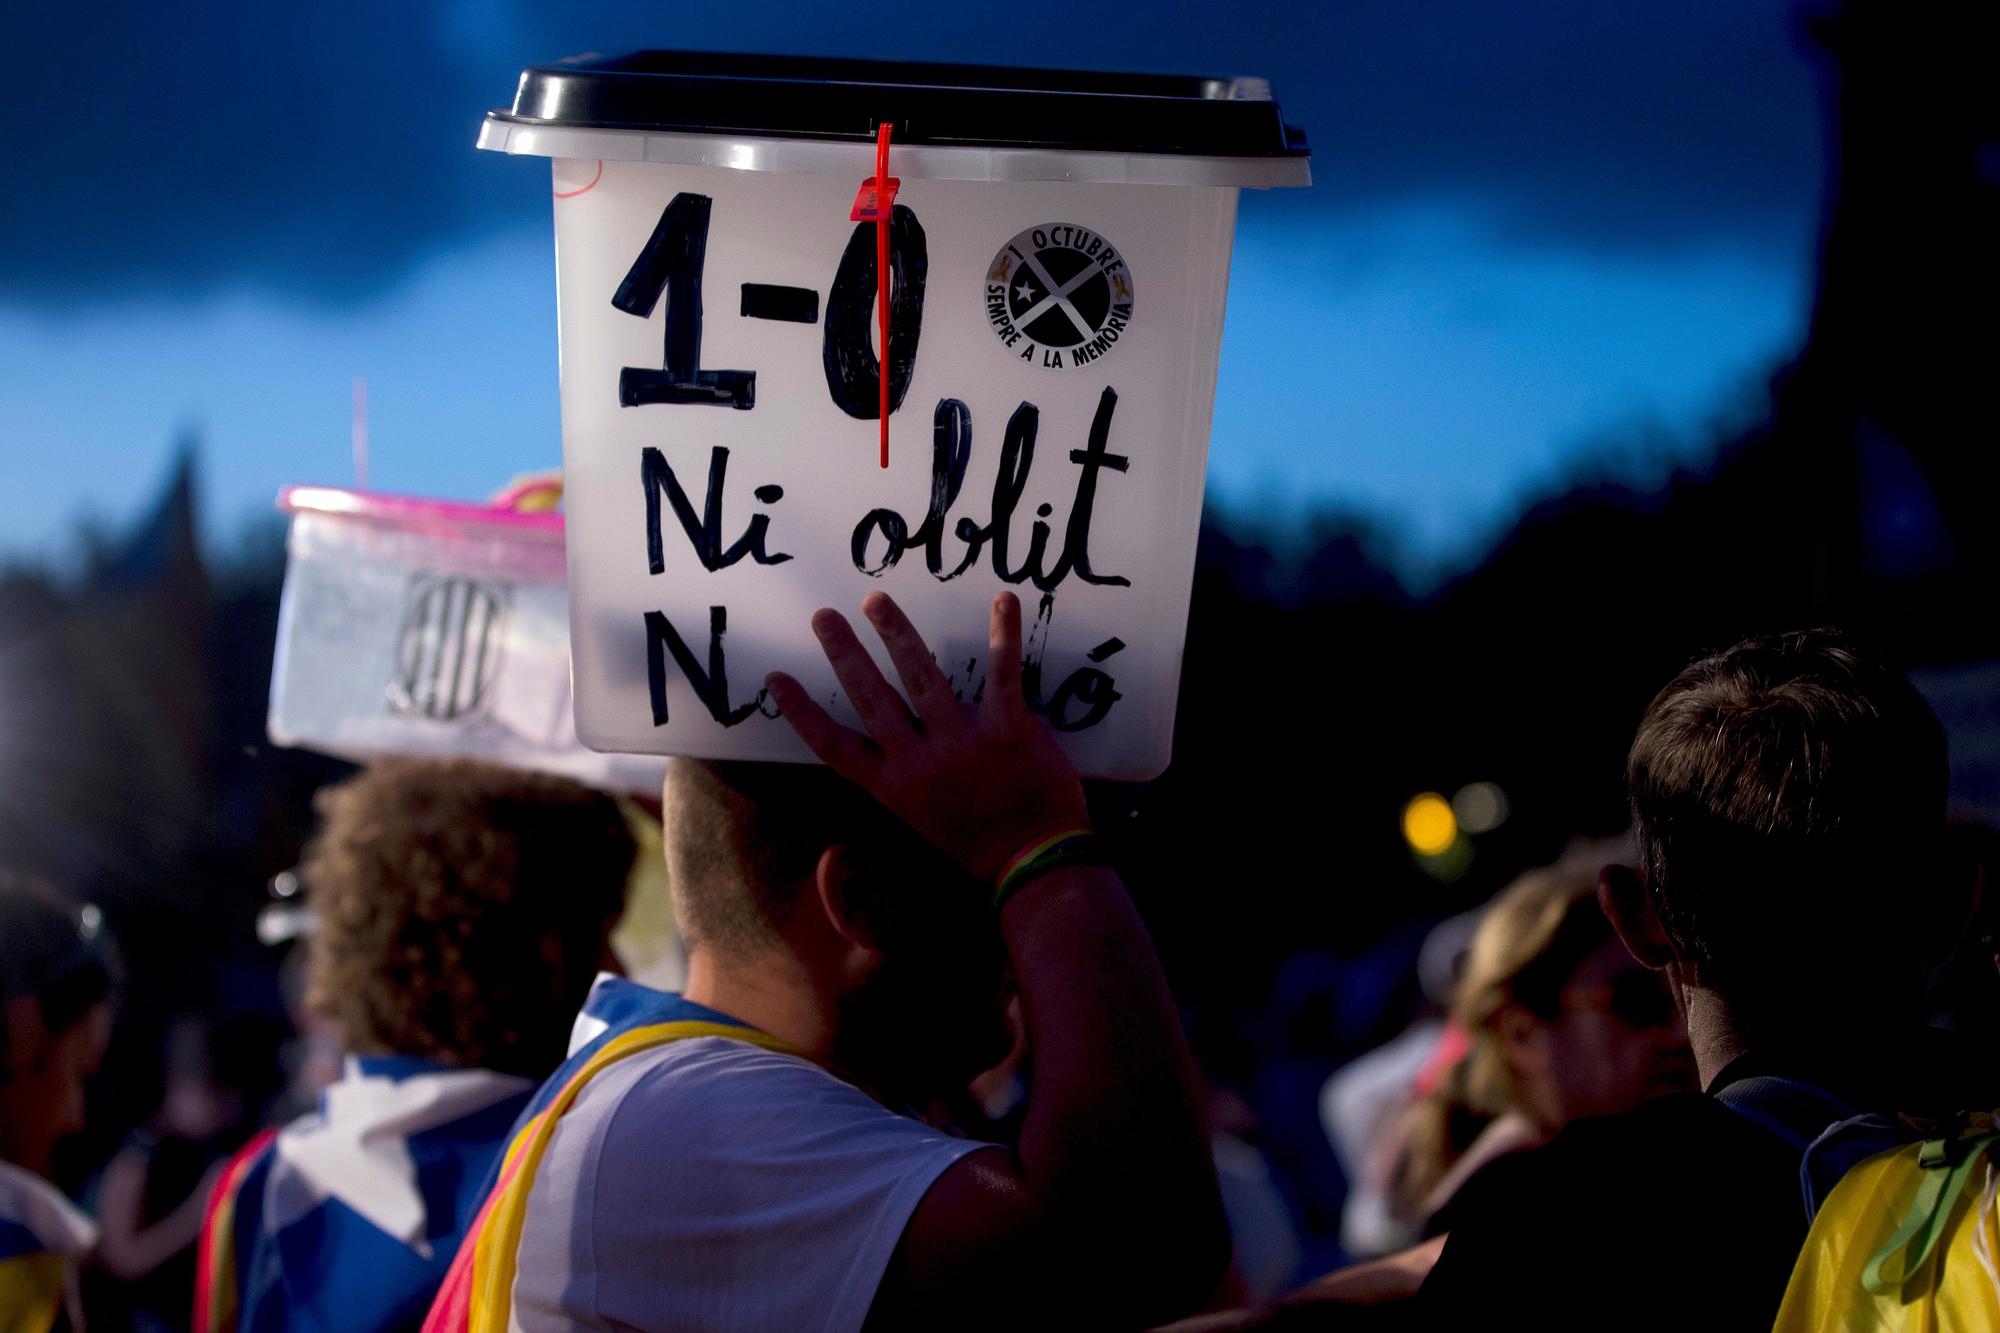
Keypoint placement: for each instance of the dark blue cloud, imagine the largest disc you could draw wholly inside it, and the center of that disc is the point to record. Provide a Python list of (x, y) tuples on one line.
[(186, 147), (321, 150)]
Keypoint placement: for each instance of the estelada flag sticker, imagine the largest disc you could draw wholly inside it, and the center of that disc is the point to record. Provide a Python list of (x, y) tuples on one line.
[(1059, 295)]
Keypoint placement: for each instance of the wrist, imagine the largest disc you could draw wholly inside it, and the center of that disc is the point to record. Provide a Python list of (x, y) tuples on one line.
[(1058, 849), (987, 851)]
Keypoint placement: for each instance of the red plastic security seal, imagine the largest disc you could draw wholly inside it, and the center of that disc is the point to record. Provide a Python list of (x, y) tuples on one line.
[(875, 202)]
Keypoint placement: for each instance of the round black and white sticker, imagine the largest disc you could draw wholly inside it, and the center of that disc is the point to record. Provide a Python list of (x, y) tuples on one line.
[(1059, 296)]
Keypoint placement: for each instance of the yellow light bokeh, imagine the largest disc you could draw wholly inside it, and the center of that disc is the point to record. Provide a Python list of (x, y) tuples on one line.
[(1428, 824)]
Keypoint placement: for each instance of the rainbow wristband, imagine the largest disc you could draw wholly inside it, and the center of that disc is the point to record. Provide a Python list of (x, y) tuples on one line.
[(1058, 851)]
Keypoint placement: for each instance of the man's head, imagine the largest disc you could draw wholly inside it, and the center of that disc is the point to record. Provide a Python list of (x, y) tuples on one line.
[(58, 977), (788, 863), (1788, 797), (462, 909)]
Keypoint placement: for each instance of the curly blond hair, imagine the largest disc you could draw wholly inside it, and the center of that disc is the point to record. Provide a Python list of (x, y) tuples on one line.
[(462, 910)]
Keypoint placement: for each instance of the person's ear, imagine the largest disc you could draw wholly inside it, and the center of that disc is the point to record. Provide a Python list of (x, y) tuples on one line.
[(1621, 892), (1517, 1031), (834, 880)]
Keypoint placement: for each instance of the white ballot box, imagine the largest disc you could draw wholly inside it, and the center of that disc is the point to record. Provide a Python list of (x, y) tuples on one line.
[(1057, 261)]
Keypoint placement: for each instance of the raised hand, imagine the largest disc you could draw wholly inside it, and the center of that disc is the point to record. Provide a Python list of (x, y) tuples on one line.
[(979, 781)]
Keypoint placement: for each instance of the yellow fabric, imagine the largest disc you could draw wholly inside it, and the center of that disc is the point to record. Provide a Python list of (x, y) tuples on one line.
[(1953, 1290), (32, 1291), (499, 1241)]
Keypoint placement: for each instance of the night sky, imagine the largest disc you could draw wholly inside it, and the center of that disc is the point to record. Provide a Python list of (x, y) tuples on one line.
[(1538, 234)]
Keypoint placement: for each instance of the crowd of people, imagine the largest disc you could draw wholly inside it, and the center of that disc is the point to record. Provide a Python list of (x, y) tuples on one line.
[(924, 1069)]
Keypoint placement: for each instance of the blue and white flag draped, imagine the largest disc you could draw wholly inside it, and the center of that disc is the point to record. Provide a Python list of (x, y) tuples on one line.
[(350, 1217)]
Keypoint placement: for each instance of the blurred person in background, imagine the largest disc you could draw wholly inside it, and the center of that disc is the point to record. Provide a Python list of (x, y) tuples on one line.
[(461, 912), (1266, 1249), (1364, 1103), (1551, 1021), (57, 980), (1561, 1024), (152, 1193)]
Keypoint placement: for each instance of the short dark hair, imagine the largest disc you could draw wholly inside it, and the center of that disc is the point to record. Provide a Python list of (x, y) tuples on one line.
[(1788, 796), (437, 886), (743, 841)]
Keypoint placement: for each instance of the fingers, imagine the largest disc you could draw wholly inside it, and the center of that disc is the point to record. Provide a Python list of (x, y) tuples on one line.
[(1003, 658), (929, 691), (845, 751), (882, 712)]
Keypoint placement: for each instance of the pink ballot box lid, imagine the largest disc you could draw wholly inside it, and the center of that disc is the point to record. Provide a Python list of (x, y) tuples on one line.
[(413, 514)]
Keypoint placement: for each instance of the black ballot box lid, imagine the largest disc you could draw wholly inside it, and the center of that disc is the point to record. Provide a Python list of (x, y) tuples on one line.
[(971, 106)]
